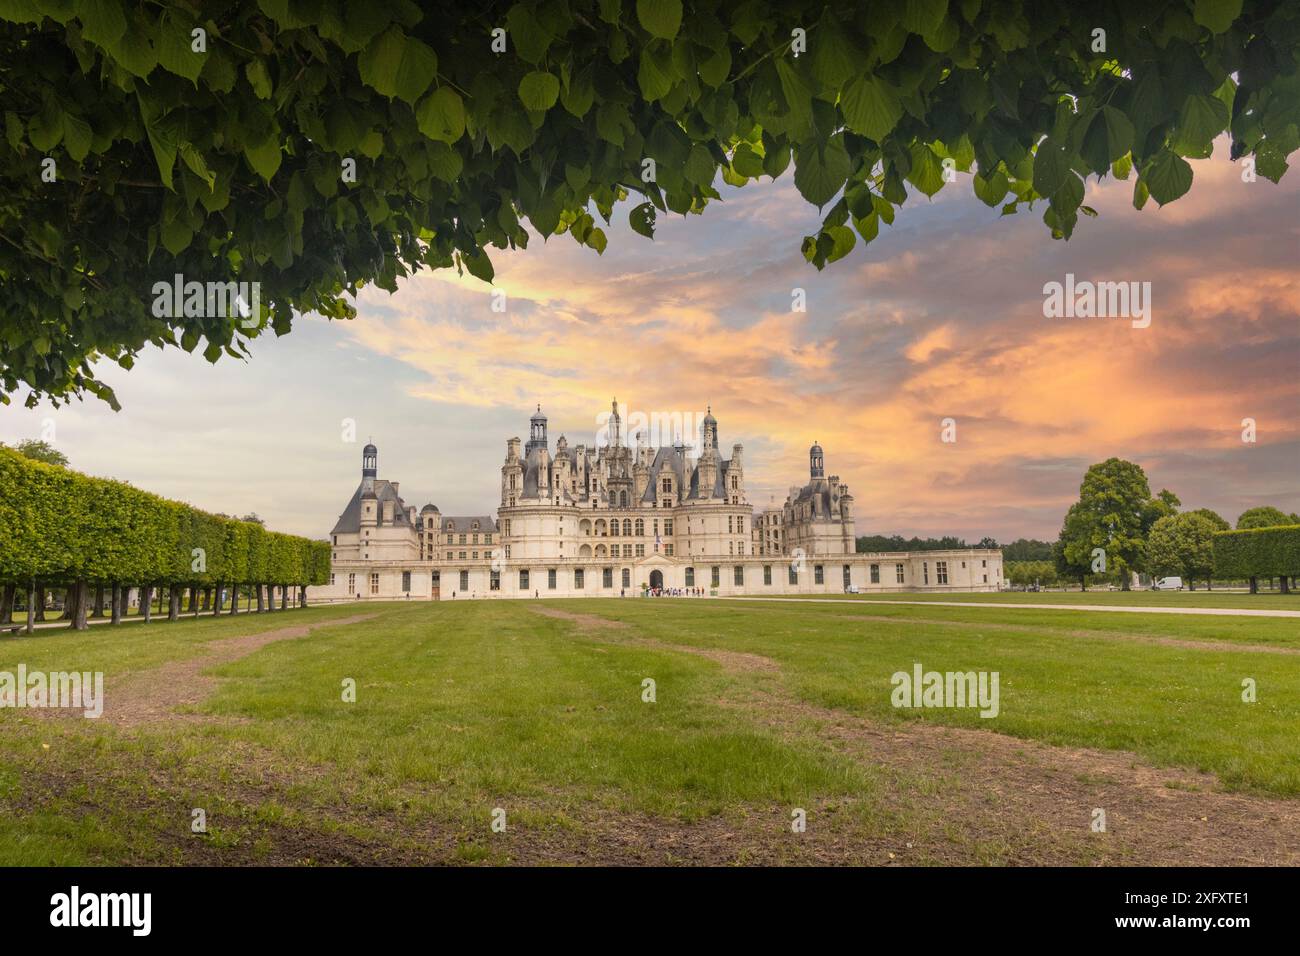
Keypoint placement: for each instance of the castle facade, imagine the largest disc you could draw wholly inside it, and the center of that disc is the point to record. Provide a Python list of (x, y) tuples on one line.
[(620, 519)]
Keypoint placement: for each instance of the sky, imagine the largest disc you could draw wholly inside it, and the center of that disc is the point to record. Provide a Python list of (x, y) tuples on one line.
[(941, 317)]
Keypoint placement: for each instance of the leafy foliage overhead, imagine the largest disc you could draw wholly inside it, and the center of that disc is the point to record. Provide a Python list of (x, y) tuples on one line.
[(214, 140)]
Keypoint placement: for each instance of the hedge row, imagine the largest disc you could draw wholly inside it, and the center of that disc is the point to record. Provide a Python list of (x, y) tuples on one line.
[(1258, 552), (60, 526)]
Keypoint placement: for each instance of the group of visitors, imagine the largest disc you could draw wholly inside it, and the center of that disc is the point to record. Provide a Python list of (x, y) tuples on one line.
[(673, 592)]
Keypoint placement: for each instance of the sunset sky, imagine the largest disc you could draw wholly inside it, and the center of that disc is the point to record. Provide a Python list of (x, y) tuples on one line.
[(941, 316)]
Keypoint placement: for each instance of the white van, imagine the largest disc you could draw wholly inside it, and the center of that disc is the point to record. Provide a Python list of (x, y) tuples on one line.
[(1167, 584)]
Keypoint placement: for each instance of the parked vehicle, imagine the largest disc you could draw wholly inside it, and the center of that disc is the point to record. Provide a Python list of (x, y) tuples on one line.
[(851, 589), (1167, 584)]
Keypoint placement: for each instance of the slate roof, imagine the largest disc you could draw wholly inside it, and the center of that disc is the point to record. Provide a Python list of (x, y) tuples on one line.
[(350, 520)]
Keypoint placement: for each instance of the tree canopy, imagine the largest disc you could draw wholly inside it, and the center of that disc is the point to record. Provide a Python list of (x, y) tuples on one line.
[(317, 146)]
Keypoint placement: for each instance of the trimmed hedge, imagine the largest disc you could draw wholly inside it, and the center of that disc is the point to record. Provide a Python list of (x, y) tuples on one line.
[(60, 526), (1257, 552)]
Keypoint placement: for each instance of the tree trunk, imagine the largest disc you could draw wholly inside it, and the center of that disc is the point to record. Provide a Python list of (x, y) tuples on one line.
[(40, 603), (302, 596), (146, 601), (234, 599), (31, 602), (82, 592), (173, 603), (261, 603), (115, 603), (217, 595), (7, 604), (203, 599), (284, 597), (1285, 583), (99, 601), (67, 604)]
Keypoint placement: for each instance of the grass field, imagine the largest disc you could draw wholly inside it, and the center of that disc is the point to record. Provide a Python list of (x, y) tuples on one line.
[(1273, 601), (761, 709)]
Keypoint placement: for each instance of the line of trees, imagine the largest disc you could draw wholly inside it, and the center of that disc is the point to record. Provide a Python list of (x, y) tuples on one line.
[(1259, 552), (1118, 527), (60, 528)]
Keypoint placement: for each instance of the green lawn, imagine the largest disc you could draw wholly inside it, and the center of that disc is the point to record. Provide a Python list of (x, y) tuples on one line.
[(1272, 600), (468, 706)]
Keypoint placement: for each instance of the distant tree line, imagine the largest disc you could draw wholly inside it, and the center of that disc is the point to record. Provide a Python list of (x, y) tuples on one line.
[(62, 529)]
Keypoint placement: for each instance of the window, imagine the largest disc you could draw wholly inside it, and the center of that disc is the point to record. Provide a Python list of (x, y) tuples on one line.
[(640, 527), (848, 579), (984, 564), (767, 574), (668, 526), (464, 581), (487, 539), (523, 580), (794, 574), (715, 576), (550, 579), (875, 574), (449, 555), (818, 577), (668, 550), (898, 573), (406, 580), (627, 577), (494, 581), (941, 572), (627, 527), (738, 575), (640, 550), (730, 520), (374, 582), (613, 529), (579, 579), (740, 525), (331, 579), (474, 555), (462, 540), (607, 577), (690, 577), (461, 554), (437, 578), (352, 583), (668, 484), (474, 540), (925, 572)]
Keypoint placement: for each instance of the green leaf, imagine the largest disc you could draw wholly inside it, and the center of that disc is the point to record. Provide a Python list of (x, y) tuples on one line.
[(597, 240), (871, 107), (746, 162), (642, 219), (259, 79), (820, 170), (991, 190), (441, 115), (175, 50), (176, 235), (479, 266), (77, 136), (1167, 175), (1216, 15), (700, 167), (660, 18), (843, 240), (265, 157), (45, 128), (397, 65), (539, 90), (835, 57), (165, 137), (655, 75), (102, 21), (1202, 118), (1051, 166), (715, 69), (136, 54), (581, 92), (926, 173)]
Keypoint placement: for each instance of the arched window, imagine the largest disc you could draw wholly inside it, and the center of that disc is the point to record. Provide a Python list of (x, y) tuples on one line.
[(640, 527), (613, 528), (627, 527), (622, 499)]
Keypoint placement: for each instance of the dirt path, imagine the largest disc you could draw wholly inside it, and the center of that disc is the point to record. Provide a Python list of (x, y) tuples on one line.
[(156, 694), (1012, 800)]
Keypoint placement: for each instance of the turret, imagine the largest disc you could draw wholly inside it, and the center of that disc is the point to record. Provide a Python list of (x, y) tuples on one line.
[(816, 461)]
